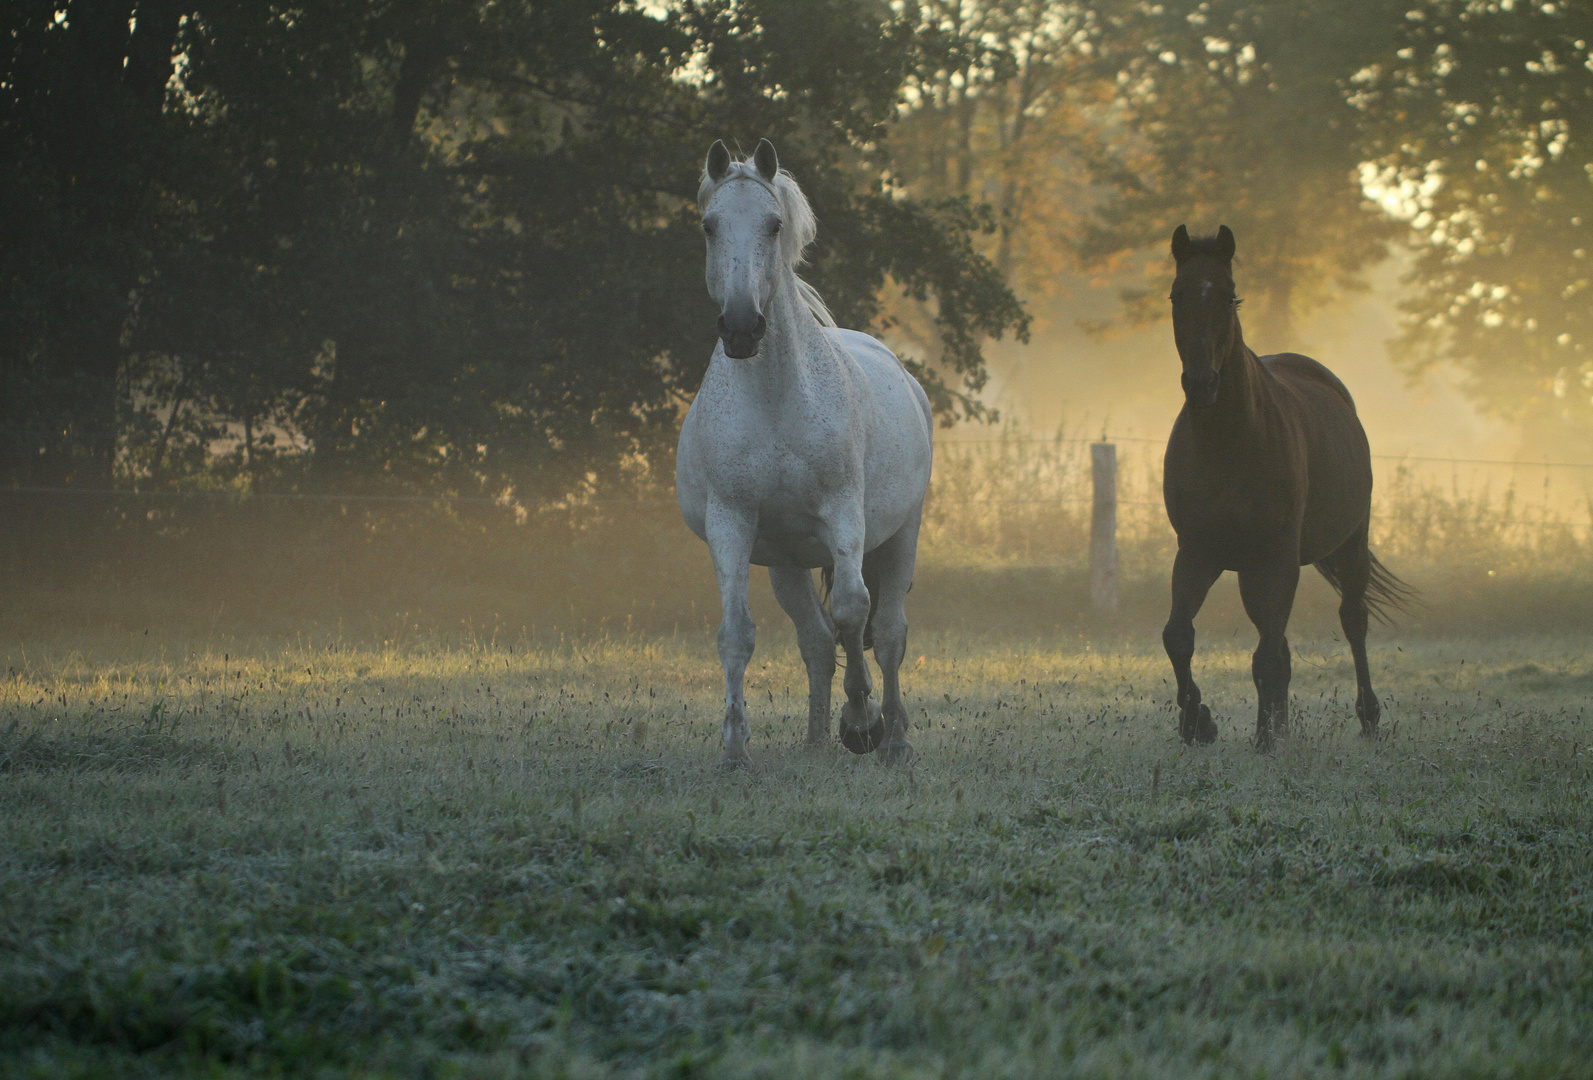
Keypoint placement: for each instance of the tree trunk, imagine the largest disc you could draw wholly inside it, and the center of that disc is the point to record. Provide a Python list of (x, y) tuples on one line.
[(178, 399), (107, 99), (1012, 156), (426, 44), (248, 447), (149, 53), (1275, 328), (967, 107), (425, 49)]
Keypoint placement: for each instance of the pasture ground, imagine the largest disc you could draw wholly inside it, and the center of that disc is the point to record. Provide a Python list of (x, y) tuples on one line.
[(474, 860)]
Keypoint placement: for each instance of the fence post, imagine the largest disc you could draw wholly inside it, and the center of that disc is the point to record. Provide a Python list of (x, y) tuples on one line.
[(1103, 527)]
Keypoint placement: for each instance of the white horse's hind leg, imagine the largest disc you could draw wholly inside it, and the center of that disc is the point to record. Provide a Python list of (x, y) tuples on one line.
[(730, 538), (793, 587), (895, 560)]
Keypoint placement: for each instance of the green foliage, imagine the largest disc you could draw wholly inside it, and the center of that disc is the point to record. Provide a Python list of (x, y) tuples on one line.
[(86, 161), (1234, 112), (926, 250), (997, 114), (418, 245), (1323, 132), (1479, 123), (483, 860)]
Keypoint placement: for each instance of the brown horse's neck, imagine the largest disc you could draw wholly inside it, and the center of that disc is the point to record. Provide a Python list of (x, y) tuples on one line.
[(1239, 415)]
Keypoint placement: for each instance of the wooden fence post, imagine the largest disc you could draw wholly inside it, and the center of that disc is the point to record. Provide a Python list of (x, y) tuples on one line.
[(1103, 527)]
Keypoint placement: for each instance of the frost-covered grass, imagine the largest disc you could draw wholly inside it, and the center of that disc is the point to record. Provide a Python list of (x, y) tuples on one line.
[(468, 860)]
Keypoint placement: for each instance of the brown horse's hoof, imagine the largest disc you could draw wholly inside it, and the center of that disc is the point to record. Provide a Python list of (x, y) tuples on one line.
[(1200, 728), (1369, 713)]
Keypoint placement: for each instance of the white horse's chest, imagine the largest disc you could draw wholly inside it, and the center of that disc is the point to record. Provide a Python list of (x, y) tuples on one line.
[(759, 457), (813, 452)]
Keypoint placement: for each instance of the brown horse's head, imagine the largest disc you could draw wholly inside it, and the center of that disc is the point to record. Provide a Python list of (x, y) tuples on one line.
[(1205, 311)]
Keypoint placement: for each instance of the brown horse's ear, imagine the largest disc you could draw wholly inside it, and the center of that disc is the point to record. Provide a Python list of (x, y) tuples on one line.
[(718, 161), (1180, 243), (766, 161), (1225, 243)]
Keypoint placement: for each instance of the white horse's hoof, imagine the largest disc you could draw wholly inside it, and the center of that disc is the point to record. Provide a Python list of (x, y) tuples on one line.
[(900, 752), (862, 729), (729, 762)]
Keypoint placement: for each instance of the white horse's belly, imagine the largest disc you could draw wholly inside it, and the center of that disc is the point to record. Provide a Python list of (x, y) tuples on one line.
[(793, 548)]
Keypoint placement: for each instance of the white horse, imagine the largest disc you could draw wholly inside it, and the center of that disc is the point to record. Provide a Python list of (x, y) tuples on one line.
[(807, 447)]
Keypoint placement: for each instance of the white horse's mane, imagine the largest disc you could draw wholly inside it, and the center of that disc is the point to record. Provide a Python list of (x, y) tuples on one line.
[(801, 227)]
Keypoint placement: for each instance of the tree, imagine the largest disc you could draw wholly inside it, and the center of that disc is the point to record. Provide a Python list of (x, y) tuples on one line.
[(1480, 124), (998, 116), (428, 244), (1235, 112), (87, 157)]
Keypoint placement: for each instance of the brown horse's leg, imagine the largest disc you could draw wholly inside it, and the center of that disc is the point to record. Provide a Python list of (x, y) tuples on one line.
[(1268, 595), (1350, 567), (1192, 580)]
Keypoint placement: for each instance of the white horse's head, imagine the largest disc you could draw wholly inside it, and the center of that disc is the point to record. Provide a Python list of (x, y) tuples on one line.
[(757, 223)]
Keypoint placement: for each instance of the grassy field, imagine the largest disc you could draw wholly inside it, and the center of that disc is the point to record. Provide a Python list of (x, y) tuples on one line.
[(476, 860)]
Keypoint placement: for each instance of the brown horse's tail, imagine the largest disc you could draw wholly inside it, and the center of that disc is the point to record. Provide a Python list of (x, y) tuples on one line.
[(1385, 593)]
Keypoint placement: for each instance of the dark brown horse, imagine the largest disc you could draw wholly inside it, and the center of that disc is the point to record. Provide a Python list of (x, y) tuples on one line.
[(1267, 470)]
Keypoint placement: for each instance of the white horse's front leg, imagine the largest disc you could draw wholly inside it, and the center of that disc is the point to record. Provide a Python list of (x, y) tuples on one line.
[(730, 537), (862, 728), (793, 587)]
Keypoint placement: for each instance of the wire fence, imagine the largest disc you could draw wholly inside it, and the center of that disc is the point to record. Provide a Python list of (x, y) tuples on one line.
[(1011, 497), (1027, 499), (1460, 477), (1503, 469)]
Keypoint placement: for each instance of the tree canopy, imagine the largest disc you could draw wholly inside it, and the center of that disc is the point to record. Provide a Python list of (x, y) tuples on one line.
[(426, 244), (1330, 134), (1234, 112), (1480, 136), (450, 245)]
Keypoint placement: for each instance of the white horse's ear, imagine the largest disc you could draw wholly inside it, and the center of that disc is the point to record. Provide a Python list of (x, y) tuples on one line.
[(718, 161), (1180, 243), (766, 161), (1225, 244)]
